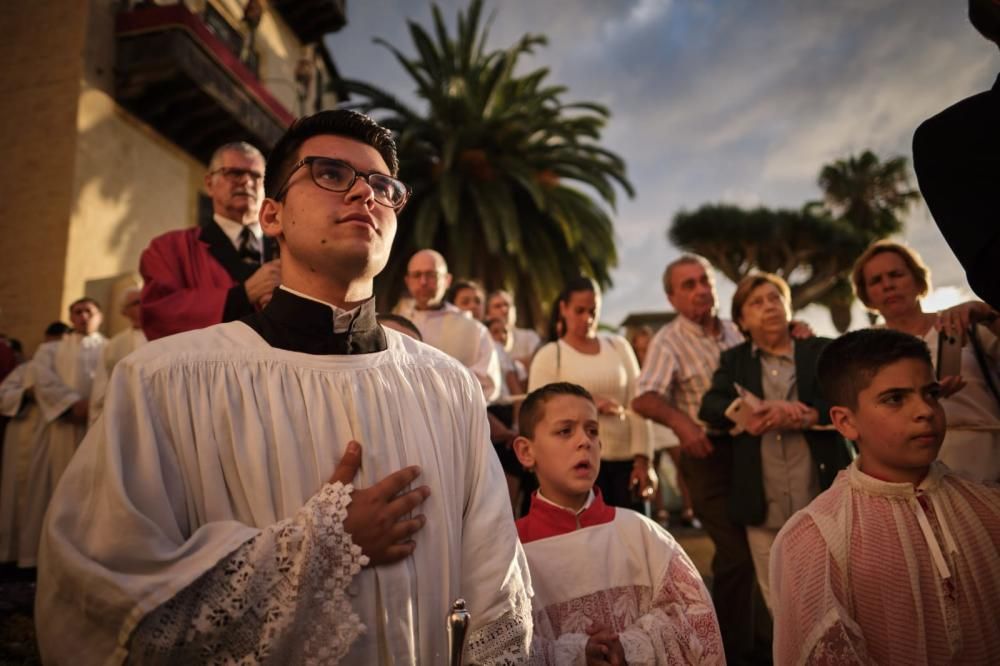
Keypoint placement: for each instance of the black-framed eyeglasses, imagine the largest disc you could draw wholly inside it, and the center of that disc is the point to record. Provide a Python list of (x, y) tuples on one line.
[(339, 176), (236, 174)]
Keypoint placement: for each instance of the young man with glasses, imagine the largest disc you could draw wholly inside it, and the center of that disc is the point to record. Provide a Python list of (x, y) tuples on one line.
[(214, 529), (222, 270)]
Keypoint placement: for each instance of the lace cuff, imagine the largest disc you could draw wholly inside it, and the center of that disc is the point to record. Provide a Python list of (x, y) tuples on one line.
[(505, 640), (279, 598)]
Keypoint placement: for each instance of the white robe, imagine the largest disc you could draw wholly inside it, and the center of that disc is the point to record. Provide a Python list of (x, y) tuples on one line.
[(120, 346), (68, 367), (462, 338), (19, 440), (212, 442), (630, 575)]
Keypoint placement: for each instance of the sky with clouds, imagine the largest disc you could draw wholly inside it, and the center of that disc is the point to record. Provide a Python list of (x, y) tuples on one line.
[(739, 101)]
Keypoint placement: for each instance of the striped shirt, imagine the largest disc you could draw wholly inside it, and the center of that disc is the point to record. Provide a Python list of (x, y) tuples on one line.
[(681, 360)]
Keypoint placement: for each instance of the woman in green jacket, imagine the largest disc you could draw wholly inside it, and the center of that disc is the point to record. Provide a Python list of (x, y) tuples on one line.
[(766, 395)]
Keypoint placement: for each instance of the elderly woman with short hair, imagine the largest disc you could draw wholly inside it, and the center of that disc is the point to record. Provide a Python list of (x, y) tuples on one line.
[(780, 461)]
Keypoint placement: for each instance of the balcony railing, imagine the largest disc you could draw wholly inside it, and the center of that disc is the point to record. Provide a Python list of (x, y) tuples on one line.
[(176, 74)]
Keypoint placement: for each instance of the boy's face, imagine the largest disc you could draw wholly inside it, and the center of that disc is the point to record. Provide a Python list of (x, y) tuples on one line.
[(898, 422), (85, 317), (565, 450)]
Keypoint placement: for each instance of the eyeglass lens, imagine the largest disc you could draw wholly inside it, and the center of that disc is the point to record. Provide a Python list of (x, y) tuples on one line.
[(338, 176)]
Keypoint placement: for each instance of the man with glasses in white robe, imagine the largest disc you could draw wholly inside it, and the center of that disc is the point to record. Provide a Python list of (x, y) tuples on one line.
[(212, 515)]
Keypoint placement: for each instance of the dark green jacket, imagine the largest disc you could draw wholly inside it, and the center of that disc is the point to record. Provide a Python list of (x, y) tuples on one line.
[(830, 452)]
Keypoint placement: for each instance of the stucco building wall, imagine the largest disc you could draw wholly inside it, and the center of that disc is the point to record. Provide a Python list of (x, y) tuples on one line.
[(85, 185)]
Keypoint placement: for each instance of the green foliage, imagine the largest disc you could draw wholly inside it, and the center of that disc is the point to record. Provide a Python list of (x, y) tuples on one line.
[(814, 248), (509, 182), (867, 194)]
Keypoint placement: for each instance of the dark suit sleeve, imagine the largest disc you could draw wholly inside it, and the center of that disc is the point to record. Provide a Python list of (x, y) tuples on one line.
[(809, 389), (720, 395), (956, 156)]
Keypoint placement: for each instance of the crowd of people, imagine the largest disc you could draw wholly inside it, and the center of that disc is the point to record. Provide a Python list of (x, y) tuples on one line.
[(265, 467)]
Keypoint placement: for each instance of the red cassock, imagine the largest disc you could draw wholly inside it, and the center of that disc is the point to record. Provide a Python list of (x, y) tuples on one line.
[(193, 278)]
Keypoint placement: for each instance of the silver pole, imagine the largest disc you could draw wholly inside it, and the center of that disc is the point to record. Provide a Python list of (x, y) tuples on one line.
[(458, 626)]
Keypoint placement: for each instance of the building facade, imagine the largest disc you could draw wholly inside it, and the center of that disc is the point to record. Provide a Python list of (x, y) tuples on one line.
[(112, 110)]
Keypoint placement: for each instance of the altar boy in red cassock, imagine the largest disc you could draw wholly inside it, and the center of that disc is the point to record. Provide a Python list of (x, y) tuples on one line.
[(611, 586)]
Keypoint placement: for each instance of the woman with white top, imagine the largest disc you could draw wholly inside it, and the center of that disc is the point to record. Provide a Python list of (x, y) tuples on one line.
[(890, 279), (605, 365)]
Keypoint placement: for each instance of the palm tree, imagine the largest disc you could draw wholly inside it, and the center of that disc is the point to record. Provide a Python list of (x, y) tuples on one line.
[(509, 182), (867, 193)]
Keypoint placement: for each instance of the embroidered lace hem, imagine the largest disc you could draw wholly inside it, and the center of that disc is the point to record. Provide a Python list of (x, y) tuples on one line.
[(505, 640), (279, 598)]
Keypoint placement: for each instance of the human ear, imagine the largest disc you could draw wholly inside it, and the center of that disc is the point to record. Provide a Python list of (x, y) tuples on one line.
[(523, 451), (270, 218), (843, 420)]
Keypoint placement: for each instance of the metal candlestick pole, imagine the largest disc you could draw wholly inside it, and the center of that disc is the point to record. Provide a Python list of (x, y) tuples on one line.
[(458, 626)]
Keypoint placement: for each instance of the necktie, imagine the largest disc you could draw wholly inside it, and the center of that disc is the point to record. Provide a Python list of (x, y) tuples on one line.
[(249, 248)]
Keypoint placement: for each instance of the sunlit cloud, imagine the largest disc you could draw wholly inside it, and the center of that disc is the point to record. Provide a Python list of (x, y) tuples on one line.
[(736, 100)]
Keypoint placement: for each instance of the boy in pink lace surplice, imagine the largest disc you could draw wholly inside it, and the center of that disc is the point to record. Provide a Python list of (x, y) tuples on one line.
[(610, 585), (899, 561)]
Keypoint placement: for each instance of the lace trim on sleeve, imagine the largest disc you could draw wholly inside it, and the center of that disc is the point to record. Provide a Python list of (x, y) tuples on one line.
[(680, 626), (505, 640), (279, 598)]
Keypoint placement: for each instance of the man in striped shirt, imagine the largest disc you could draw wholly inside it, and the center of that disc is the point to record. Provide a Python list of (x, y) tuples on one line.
[(680, 362)]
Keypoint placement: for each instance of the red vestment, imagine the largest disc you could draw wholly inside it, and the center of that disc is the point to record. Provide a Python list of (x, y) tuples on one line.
[(192, 279)]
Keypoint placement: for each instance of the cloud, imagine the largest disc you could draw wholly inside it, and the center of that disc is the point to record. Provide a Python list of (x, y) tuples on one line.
[(735, 100)]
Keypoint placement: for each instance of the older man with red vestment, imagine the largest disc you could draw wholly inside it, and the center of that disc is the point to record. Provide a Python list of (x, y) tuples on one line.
[(220, 271)]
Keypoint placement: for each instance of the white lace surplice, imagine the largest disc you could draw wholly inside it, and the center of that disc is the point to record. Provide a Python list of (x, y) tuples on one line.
[(20, 437), (877, 572), (63, 372), (209, 465), (631, 576)]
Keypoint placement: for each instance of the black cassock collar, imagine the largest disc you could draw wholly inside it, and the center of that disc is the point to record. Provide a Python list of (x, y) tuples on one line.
[(298, 324)]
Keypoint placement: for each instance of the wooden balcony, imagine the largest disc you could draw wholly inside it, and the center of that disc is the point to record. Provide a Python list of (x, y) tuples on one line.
[(175, 74)]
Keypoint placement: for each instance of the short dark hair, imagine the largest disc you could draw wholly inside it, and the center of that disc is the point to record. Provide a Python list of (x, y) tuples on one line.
[(459, 285), (557, 327), (848, 364), (985, 17), (402, 321), (85, 299), (56, 329), (533, 407), (338, 122)]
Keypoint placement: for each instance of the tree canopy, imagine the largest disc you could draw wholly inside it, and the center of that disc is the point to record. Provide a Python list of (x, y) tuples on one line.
[(509, 182), (812, 248)]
